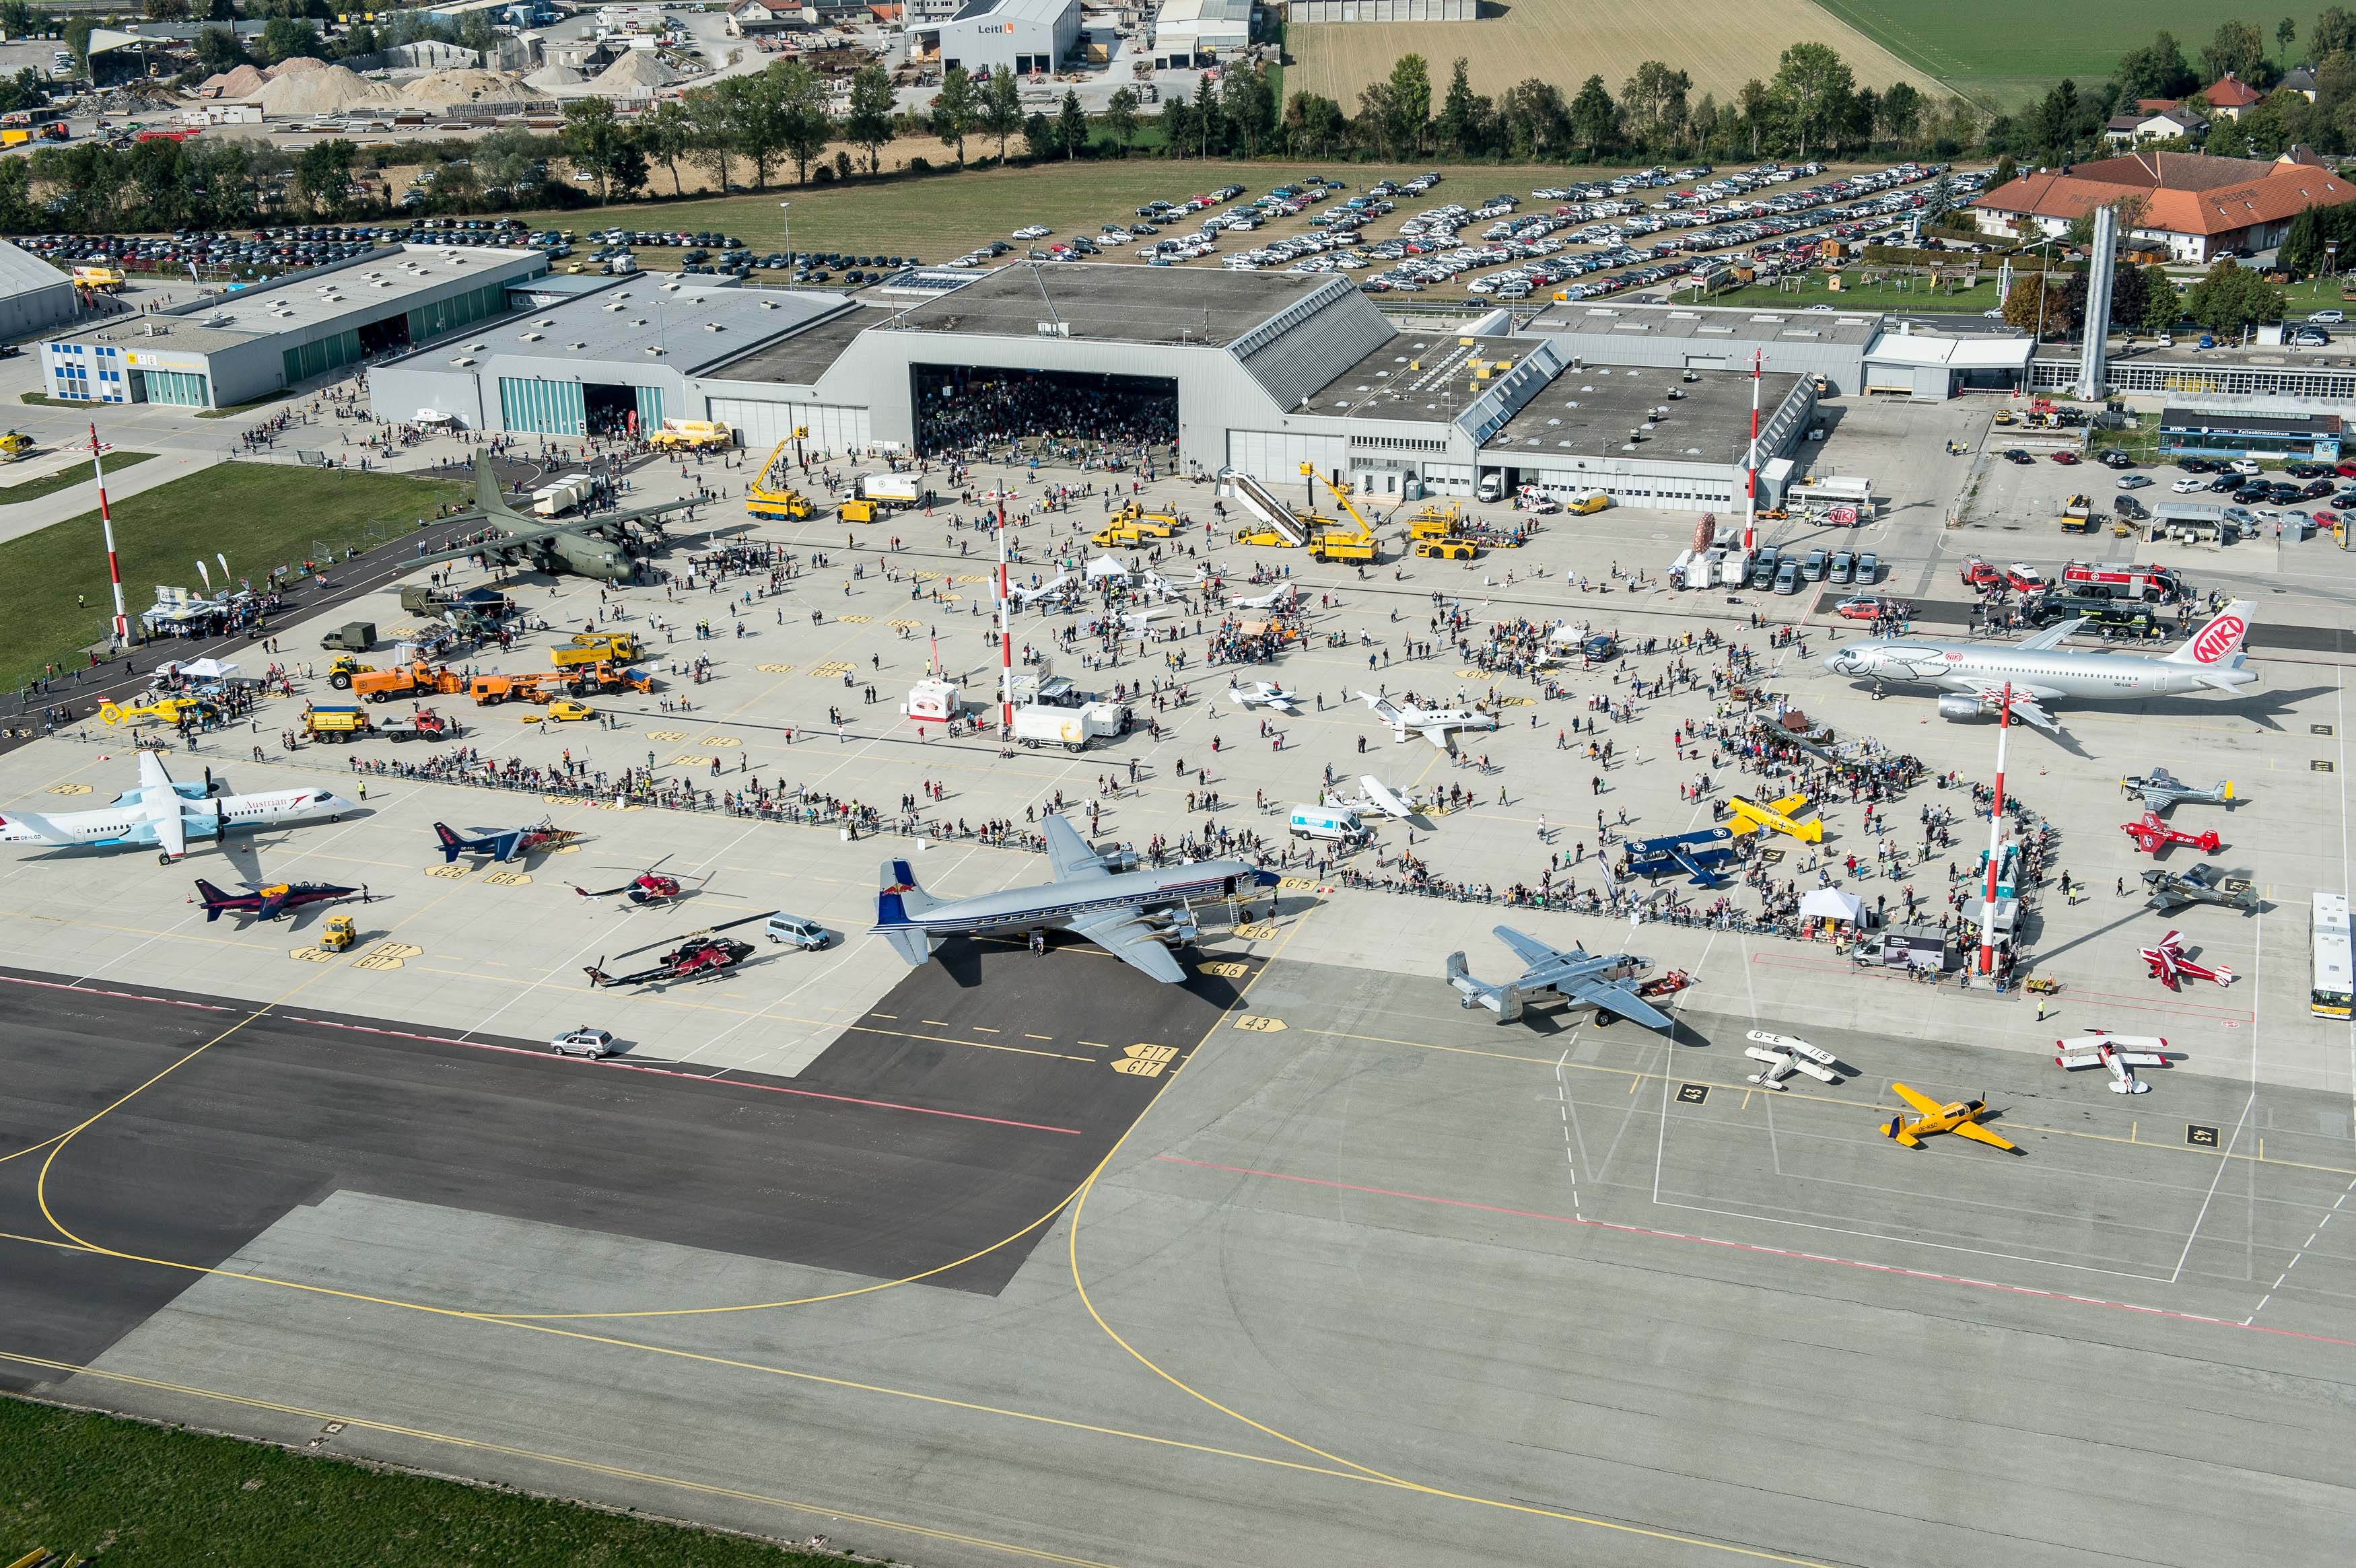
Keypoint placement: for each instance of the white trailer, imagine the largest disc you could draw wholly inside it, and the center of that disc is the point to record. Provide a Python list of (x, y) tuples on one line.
[(559, 496), (892, 489), (1074, 729)]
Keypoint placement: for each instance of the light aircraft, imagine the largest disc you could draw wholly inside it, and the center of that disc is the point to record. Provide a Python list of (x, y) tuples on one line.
[(1138, 621), (503, 844), (1262, 694), (162, 815), (2162, 789), (1434, 724), (592, 548), (1698, 853), (2121, 1053), (1136, 916), (270, 900), (1583, 979), (1786, 1054), (1277, 598), (1750, 817), (2172, 969), (1961, 1118), (1022, 598), (2039, 670), (2204, 884), (1373, 795), (2151, 835)]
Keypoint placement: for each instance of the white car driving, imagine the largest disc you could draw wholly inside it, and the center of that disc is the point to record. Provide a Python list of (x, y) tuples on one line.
[(583, 1042)]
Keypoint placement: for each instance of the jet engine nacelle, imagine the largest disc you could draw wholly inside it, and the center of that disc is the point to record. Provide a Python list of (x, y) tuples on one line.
[(1959, 707)]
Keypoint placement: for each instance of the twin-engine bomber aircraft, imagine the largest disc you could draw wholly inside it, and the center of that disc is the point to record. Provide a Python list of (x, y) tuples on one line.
[(1136, 916), (1976, 676)]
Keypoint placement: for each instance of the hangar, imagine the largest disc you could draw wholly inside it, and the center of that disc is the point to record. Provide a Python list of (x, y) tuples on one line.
[(1202, 371), (228, 348)]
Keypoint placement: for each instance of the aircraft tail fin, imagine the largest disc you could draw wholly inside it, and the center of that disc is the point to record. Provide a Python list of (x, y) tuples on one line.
[(215, 900), (2225, 791), (2215, 645), (1505, 1000), (490, 495), (451, 843), (896, 880)]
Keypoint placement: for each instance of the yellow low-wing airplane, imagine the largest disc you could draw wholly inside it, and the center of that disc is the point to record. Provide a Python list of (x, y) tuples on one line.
[(1961, 1118), (1750, 817)]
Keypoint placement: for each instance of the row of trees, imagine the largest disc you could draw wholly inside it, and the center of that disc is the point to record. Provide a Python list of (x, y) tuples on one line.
[(2227, 298)]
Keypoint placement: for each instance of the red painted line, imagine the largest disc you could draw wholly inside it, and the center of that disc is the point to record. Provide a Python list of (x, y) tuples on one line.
[(1860, 1263), (692, 1077), (124, 995)]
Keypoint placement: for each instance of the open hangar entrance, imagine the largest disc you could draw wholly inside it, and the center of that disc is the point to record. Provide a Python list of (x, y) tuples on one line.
[(963, 406)]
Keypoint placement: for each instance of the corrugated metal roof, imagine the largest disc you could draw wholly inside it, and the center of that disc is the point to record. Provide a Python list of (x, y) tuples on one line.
[(21, 272)]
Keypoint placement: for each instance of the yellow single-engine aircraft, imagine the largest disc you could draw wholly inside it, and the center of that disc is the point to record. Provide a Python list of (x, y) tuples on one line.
[(1750, 817), (1961, 1118)]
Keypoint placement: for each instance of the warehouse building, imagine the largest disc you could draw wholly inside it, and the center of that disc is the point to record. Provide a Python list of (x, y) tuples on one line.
[(2210, 432), (1261, 372), (34, 295), (230, 348), (1187, 32), (1020, 35)]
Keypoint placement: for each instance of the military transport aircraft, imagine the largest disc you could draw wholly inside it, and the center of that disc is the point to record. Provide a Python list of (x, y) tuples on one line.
[(594, 547)]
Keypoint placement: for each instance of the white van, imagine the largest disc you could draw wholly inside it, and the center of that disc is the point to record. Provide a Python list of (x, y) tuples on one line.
[(1492, 488), (1735, 570), (1326, 822), (807, 935)]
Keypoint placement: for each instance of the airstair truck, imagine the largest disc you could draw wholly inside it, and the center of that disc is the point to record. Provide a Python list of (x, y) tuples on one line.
[(1272, 522)]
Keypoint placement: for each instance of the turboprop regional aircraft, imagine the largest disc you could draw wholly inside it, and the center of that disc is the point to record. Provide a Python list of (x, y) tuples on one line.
[(1436, 725), (1136, 916), (1974, 676), (1583, 979), (1750, 817), (591, 548), (162, 815), (1961, 1118)]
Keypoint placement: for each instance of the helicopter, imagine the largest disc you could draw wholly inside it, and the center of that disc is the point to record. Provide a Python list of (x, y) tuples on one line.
[(649, 887), (700, 955)]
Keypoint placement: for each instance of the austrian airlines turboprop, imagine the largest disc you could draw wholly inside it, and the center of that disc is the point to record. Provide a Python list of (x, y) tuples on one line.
[(1974, 675), (162, 815)]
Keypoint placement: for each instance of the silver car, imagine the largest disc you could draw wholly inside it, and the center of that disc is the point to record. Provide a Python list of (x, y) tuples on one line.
[(583, 1042)]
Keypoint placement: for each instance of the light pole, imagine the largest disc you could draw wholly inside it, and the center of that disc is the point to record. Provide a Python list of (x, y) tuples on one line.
[(785, 223)]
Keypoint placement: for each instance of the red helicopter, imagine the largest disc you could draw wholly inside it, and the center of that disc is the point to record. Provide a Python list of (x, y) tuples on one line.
[(649, 887), (700, 955), (2151, 835)]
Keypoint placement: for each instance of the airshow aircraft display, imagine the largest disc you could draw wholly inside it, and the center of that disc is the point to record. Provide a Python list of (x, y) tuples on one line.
[(1262, 694), (1750, 817), (2161, 789), (502, 844), (591, 548), (2120, 1054), (1976, 677), (1136, 916), (1960, 1117), (1437, 725), (1583, 979), (270, 900), (2203, 884), (1786, 1054), (1373, 795), (160, 814), (1700, 853), (2151, 835), (2171, 967)]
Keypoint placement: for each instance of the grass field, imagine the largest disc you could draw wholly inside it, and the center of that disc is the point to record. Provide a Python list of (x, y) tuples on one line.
[(1998, 55), (149, 1497), (1886, 296), (1720, 44), (259, 515), (50, 484)]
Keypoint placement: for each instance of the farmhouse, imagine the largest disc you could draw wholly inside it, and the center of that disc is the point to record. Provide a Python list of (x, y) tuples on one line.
[(2155, 126), (2229, 95), (2195, 206)]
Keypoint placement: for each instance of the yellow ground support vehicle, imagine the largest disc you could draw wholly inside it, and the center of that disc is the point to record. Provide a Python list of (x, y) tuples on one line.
[(106, 280), (1118, 534), (589, 649), (335, 723), (1332, 543), (858, 510), (1447, 549), (693, 435), (608, 676), (338, 933), (562, 711), (1436, 522), (340, 673), (15, 447), (1153, 525), (772, 498)]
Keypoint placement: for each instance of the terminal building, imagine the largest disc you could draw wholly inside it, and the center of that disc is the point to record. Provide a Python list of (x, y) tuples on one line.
[(221, 350), (1260, 372)]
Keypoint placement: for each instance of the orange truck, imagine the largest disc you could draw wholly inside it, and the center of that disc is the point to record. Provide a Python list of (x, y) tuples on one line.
[(406, 680), (583, 680), (489, 690)]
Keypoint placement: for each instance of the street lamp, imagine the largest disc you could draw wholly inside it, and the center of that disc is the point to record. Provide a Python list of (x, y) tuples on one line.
[(2042, 279), (786, 221)]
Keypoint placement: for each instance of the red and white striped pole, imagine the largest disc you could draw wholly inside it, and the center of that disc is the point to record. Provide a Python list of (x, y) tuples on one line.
[(106, 523), (1751, 502), (1005, 631), (1996, 839)]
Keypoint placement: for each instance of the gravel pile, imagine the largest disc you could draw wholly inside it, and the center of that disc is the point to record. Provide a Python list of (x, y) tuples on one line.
[(639, 68), (331, 90)]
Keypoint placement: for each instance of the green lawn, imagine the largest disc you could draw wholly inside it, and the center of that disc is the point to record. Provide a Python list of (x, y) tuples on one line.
[(151, 1496), (2001, 54), (1916, 296), (50, 484), (259, 515)]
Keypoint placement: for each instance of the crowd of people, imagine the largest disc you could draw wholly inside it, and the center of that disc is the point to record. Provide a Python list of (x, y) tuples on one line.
[(1083, 425)]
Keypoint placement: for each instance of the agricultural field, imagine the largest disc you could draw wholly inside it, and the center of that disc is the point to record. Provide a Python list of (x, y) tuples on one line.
[(1719, 44), (1997, 55)]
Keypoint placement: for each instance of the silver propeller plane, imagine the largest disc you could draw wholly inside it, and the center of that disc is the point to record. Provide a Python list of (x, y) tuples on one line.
[(1975, 677), (1584, 979), (1136, 916), (2161, 789)]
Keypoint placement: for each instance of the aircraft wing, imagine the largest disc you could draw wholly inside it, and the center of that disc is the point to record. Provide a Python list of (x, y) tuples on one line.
[(164, 808), (511, 543), (1788, 804), (1624, 1002), (2074, 1060), (1979, 1134), (1119, 932), (502, 845), (1701, 878), (2052, 637), (1438, 735), (1924, 1105), (1069, 854), (1533, 952), (152, 774), (2025, 704)]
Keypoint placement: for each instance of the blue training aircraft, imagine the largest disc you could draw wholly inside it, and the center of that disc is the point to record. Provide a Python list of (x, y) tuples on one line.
[(1700, 854)]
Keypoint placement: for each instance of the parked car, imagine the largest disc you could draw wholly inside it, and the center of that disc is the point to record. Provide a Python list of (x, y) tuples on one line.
[(1872, 607), (2134, 481), (2244, 466), (2066, 458), (2191, 486), (1868, 570), (583, 1042), (2014, 454), (2023, 578), (2115, 458)]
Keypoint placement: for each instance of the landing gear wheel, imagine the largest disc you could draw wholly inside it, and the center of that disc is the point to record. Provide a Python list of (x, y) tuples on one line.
[(1605, 1017)]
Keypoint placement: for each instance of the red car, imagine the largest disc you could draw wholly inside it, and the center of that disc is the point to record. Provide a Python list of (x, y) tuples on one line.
[(1872, 607), (2066, 459), (2346, 470), (2023, 578)]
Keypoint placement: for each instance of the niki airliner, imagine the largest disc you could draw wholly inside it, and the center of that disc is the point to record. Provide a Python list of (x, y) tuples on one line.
[(1136, 916), (1974, 676), (162, 815)]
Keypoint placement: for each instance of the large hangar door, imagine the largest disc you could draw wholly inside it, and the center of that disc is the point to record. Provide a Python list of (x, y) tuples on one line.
[(1276, 456), (760, 425)]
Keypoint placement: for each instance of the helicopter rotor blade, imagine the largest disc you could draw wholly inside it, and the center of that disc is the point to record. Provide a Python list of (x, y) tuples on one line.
[(693, 935)]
